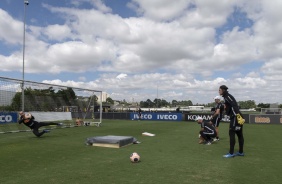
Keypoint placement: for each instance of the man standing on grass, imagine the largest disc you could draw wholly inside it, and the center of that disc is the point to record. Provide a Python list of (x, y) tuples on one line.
[(140, 113), (236, 122), (28, 120), (207, 131), (217, 116)]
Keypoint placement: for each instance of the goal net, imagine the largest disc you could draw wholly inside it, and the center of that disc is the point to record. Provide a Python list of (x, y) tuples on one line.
[(47, 102)]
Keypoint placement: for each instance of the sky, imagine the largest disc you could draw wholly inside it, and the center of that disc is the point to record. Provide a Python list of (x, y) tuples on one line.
[(136, 50)]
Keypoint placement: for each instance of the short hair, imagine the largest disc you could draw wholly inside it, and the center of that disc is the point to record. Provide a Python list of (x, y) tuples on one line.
[(223, 87)]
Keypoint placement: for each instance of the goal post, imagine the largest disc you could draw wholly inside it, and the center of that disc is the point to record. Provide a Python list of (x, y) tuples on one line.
[(46, 101)]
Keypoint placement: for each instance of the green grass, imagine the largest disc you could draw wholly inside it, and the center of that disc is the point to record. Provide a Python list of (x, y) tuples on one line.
[(172, 156)]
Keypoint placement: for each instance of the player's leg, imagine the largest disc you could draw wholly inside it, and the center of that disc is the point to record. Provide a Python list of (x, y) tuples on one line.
[(232, 133), (41, 124), (209, 137), (215, 124), (203, 135), (201, 138), (206, 136), (213, 136), (217, 135), (36, 132), (231, 138), (241, 142), (217, 129)]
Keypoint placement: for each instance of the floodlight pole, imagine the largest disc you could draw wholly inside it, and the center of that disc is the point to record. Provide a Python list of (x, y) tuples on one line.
[(25, 5), (157, 95)]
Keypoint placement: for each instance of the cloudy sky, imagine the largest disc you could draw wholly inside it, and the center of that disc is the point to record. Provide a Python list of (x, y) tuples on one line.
[(144, 49)]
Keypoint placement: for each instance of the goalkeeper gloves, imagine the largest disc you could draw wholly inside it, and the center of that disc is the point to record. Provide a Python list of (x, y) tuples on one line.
[(240, 120)]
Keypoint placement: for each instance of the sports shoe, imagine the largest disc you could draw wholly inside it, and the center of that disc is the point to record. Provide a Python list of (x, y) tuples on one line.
[(228, 155), (208, 143), (239, 154), (46, 131)]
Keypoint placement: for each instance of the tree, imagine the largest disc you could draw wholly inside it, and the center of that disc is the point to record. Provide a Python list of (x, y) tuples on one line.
[(157, 102), (262, 105), (185, 103), (150, 103), (174, 103), (110, 100), (16, 102), (147, 104), (249, 104)]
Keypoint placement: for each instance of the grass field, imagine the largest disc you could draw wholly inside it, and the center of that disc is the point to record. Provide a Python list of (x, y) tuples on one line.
[(172, 156)]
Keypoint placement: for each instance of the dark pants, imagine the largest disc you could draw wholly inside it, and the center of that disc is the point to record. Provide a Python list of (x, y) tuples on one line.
[(216, 121), (37, 125), (235, 129), (207, 135)]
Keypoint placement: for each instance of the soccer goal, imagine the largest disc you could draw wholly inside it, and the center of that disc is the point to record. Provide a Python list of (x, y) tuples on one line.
[(47, 102)]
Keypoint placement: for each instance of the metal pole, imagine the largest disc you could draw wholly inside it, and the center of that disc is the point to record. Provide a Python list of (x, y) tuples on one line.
[(25, 4), (157, 95)]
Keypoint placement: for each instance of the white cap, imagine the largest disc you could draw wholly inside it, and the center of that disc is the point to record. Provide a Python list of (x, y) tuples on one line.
[(217, 98), (198, 118)]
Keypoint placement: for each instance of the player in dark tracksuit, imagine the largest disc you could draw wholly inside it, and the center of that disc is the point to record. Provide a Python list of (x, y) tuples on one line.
[(140, 113), (28, 120), (207, 131), (217, 116), (232, 109)]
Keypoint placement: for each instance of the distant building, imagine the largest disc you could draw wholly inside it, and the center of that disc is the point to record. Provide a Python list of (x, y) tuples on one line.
[(104, 97)]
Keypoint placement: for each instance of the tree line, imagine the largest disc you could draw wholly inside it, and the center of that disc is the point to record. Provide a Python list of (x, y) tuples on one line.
[(49, 99)]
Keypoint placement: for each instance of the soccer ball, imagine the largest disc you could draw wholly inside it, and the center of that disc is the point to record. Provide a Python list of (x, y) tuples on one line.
[(134, 157)]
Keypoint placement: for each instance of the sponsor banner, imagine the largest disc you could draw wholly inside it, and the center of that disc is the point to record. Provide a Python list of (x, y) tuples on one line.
[(225, 118), (265, 119), (192, 117), (8, 117), (157, 116), (51, 116)]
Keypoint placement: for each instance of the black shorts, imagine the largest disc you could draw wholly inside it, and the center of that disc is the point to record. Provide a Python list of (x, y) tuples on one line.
[(216, 121)]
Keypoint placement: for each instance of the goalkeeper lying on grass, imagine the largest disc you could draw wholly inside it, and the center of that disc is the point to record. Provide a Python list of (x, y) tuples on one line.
[(236, 122), (28, 120)]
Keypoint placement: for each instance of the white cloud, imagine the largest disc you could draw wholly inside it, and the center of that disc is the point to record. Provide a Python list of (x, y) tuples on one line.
[(273, 67), (11, 29), (121, 76), (101, 6), (160, 10), (57, 32)]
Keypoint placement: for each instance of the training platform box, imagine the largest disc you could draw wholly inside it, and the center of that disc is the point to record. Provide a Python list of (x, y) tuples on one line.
[(110, 141)]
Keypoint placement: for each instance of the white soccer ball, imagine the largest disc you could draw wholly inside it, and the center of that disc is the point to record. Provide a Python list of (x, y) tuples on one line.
[(134, 157)]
